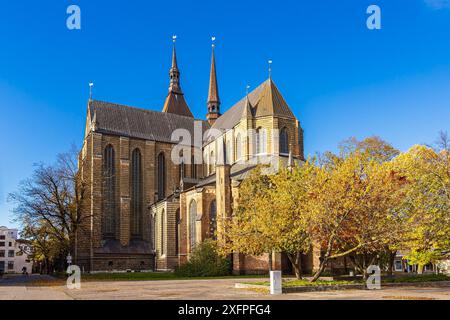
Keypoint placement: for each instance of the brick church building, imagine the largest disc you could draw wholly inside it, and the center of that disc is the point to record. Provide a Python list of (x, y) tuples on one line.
[(152, 198)]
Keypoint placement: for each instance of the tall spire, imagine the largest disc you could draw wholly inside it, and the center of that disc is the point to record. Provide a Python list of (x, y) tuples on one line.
[(174, 73), (175, 102), (213, 102)]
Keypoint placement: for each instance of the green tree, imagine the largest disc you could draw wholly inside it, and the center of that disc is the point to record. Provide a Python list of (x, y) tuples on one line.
[(427, 204)]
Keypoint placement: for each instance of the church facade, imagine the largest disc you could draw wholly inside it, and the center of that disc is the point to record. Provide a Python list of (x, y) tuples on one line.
[(159, 182)]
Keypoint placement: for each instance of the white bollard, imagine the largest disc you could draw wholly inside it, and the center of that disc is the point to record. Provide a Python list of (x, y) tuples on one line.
[(275, 282)]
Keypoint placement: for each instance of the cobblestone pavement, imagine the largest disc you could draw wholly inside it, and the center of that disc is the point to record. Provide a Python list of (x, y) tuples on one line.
[(46, 288)]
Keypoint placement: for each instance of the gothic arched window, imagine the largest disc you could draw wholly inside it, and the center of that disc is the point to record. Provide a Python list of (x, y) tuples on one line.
[(181, 166), (109, 192), (284, 141), (260, 140), (238, 148), (213, 220), (161, 176), (212, 163), (162, 224), (229, 153), (193, 168), (192, 223), (136, 193), (177, 231)]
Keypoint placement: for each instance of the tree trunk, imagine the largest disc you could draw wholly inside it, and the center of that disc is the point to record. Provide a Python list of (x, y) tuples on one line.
[(270, 261), (420, 268), (392, 255), (323, 264), (296, 264)]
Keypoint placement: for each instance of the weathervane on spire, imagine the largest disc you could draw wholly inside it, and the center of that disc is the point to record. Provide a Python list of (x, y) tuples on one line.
[(213, 39), (174, 38), (270, 68), (246, 90), (91, 84)]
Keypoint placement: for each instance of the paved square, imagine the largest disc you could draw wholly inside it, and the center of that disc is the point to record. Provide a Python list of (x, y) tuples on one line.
[(46, 288)]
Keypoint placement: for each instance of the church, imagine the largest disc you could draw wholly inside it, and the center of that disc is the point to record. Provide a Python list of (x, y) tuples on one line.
[(152, 196)]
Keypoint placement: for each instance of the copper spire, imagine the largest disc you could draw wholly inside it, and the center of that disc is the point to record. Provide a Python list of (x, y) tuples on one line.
[(175, 102), (213, 102), (174, 73)]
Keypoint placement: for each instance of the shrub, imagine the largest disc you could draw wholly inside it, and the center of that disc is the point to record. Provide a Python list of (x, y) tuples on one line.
[(205, 262)]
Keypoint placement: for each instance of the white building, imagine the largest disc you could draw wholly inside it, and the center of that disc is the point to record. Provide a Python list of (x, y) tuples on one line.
[(13, 252)]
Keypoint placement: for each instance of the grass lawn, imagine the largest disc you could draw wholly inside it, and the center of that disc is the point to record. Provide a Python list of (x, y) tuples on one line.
[(148, 276), (417, 278), (307, 283), (401, 279)]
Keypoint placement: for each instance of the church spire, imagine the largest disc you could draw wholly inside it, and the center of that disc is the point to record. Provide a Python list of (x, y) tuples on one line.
[(213, 102), (174, 73), (175, 102)]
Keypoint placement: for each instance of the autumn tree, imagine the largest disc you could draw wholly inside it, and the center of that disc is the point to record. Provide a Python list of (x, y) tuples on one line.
[(270, 215), (352, 206), (428, 201)]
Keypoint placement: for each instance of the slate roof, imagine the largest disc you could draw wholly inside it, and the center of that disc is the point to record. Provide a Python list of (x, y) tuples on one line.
[(265, 100), (116, 119)]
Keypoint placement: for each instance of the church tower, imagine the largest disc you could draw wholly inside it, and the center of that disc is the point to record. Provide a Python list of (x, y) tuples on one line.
[(175, 102), (213, 102)]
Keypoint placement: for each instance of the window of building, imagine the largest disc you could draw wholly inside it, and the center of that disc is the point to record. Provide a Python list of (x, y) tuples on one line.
[(213, 220), (2, 237), (177, 231), (260, 141), (181, 167), (136, 194), (10, 265), (212, 163), (109, 191), (2, 253), (284, 141), (193, 168), (229, 153), (238, 148), (192, 223), (163, 242), (10, 253), (10, 244), (161, 176), (2, 244)]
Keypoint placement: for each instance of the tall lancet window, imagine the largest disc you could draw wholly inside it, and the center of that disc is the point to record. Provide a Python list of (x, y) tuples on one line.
[(181, 166), (163, 235), (109, 193), (284, 141), (238, 148), (212, 163), (213, 220), (161, 176), (177, 231), (192, 223), (193, 168), (136, 194), (260, 141)]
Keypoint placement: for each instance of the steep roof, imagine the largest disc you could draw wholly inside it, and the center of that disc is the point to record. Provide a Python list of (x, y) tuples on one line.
[(266, 100), (116, 119), (175, 102)]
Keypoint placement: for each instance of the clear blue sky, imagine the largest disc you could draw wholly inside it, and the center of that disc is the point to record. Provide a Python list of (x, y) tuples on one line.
[(340, 78)]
